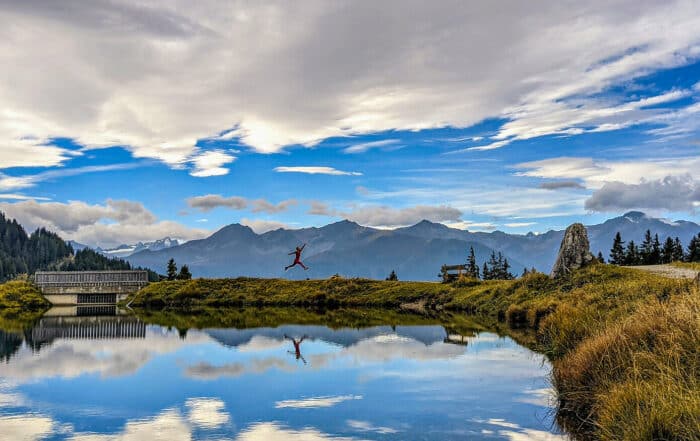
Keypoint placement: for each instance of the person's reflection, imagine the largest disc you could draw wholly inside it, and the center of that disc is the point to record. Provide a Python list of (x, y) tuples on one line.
[(297, 347)]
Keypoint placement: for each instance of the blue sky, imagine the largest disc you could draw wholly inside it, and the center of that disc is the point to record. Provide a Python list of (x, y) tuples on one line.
[(175, 122)]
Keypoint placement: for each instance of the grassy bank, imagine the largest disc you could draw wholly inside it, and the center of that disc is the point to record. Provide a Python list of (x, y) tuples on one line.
[(20, 303), (22, 295), (625, 344)]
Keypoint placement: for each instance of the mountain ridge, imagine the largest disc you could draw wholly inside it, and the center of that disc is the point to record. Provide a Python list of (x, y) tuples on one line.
[(416, 252)]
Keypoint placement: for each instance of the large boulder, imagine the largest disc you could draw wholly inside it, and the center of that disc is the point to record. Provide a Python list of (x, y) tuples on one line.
[(574, 252)]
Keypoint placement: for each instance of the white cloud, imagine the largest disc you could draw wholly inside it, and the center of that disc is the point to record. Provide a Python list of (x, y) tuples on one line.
[(17, 182), (672, 193), (108, 225), (21, 197), (366, 426), (157, 79), (384, 216), (208, 413), (519, 224), (515, 432), (595, 173), (26, 427), (275, 432), (211, 201), (169, 425), (315, 402), (363, 147), (316, 171), (30, 152), (262, 225), (210, 163)]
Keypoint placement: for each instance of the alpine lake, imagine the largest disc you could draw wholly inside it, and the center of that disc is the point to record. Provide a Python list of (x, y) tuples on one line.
[(100, 373)]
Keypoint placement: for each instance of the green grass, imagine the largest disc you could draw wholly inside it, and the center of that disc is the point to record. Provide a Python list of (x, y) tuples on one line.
[(21, 295), (269, 292), (21, 303)]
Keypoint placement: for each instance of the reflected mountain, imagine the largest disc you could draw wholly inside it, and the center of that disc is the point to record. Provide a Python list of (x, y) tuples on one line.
[(267, 374), (342, 337)]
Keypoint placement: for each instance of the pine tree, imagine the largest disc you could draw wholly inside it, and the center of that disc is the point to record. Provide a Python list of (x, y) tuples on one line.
[(505, 270), (185, 273), (617, 252), (486, 274), (678, 253), (645, 253), (667, 251), (694, 249), (655, 256), (393, 277), (172, 270), (601, 259), (632, 256), (472, 266)]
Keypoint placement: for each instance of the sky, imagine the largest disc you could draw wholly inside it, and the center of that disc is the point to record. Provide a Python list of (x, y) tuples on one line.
[(132, 121)]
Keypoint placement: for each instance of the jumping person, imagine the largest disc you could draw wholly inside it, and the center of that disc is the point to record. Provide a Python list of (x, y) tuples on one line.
[(297, 347), (297, 258)]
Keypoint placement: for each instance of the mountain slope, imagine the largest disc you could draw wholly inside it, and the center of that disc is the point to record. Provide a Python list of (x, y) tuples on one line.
[(344, 248), (415, 253)]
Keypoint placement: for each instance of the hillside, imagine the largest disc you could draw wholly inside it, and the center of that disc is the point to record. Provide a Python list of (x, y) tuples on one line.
[(415, 253), (21, 253), (343, 247)]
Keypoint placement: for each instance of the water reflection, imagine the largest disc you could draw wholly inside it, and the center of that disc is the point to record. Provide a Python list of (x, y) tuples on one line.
[(366, 376)]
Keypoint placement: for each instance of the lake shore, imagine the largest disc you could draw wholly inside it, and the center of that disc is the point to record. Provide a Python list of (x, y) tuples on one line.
[(615, 335), (624, 344)]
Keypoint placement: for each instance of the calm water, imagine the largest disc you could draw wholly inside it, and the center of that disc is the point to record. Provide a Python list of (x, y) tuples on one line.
[(269, 375)]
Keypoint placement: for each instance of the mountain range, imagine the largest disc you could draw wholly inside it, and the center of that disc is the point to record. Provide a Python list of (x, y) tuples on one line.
[(125, 250), (415, 252)]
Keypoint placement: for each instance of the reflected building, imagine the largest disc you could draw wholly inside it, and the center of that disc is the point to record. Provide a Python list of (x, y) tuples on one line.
[(82, 322)]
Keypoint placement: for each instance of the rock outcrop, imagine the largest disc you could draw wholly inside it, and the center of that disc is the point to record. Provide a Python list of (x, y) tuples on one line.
[(574, 252)]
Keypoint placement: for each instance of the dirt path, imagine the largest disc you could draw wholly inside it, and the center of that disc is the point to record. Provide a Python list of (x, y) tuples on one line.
[(670, 271)]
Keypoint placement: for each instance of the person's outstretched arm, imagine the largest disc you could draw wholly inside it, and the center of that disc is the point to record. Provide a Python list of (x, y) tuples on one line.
[(303, 246), (293, 252)]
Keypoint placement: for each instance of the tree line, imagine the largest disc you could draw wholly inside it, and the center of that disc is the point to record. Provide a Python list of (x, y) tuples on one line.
[(173, 274), (652, 252), (21, 253), (495, 268)]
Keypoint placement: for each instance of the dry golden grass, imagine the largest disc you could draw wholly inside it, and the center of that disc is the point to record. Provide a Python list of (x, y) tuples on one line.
[(637, 379)]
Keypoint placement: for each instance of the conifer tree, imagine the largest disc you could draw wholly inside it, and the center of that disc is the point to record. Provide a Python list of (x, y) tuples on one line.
[(185, 273), (617, 252), (601, 259), (655, 256), (472, 266), (392, 276), (486, 274), (678, 253), (172, 269), (667, 251), (632, 256), (645, 252), (694, 249)]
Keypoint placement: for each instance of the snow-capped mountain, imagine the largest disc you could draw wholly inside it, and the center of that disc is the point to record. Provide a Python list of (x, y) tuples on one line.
[(125, 250)]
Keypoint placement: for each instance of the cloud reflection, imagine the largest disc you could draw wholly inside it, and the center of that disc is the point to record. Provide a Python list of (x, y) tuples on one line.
[(316, 402), (109, 357), (514, 432), (276, 432), (25, 427), (208, 413)]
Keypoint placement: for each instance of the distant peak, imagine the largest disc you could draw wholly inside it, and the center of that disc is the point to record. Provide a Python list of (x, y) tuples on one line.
[(634, 215), (345, 222)]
